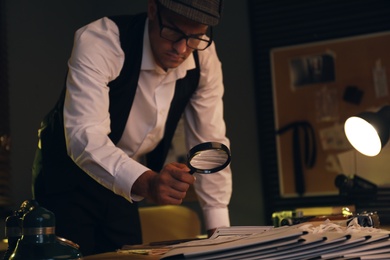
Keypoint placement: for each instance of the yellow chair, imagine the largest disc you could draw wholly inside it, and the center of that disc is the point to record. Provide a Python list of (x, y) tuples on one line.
[(171, 222)]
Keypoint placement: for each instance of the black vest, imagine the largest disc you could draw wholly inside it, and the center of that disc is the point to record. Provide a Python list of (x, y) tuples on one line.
[(54, 170)]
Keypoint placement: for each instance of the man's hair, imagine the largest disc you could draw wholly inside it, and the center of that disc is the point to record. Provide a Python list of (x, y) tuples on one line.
[(202, 11)]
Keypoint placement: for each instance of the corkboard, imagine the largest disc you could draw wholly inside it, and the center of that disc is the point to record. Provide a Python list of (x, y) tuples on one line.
[(321, 84)]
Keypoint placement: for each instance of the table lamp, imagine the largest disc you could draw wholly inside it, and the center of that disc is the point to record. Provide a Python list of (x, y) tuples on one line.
[(368, 132)]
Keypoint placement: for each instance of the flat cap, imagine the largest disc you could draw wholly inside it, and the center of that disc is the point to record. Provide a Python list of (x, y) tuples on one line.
[(202, 11)]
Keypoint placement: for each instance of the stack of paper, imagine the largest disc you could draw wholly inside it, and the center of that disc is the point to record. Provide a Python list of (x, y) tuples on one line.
[(294, 242)]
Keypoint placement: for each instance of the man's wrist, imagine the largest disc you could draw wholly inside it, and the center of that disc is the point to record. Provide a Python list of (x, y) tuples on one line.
[(142, 186)]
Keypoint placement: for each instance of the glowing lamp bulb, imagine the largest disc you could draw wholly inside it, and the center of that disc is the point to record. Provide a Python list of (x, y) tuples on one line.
[(362, 136)]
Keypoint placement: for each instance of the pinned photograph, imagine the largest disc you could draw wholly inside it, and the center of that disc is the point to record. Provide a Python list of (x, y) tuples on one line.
[(312, 69)]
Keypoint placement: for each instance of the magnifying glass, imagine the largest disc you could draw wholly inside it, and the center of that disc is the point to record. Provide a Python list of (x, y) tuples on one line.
[(208, 157)]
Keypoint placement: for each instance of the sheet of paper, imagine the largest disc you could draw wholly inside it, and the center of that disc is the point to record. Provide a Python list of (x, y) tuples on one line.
[(376, 256), (258, 240), (380, 238), (240, 230)]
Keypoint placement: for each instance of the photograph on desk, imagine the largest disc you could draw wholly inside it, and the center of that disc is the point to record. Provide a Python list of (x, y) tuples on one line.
[(316, 87)]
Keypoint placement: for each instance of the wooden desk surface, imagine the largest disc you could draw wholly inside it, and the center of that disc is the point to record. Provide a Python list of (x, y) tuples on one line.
[(121, 256)]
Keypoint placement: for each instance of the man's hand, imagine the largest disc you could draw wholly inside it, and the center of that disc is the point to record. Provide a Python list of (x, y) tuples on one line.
[(167, 187)]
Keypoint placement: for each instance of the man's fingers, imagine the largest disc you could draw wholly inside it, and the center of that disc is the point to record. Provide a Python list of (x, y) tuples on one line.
[(171, 198), (179, 172), (181, 166)]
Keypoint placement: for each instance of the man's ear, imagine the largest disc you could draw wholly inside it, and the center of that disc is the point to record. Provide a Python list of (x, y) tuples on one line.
[(152, 9)]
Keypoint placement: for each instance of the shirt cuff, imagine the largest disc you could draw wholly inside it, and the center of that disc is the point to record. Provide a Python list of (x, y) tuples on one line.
[(216, 217), (126, 175)]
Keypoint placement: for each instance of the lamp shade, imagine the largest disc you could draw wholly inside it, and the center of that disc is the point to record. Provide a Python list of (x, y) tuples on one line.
[(369, 132)]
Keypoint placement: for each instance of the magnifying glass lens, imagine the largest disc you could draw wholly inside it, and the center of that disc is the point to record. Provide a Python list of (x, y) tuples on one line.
[(208, 158)]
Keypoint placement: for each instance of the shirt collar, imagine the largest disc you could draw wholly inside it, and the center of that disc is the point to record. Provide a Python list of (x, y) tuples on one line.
[(148, 62)]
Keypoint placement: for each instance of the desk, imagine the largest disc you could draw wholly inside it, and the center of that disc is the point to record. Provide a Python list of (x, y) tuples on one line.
[(134, 252), (120, 256)]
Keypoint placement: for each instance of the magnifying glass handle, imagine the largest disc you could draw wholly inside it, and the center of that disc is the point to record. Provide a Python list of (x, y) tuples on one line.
[(192, 171)]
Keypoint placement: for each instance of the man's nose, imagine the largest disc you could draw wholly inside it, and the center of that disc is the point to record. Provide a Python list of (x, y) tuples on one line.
[(180, 46)]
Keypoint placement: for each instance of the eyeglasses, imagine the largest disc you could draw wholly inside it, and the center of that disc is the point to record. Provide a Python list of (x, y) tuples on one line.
[(197, 42)]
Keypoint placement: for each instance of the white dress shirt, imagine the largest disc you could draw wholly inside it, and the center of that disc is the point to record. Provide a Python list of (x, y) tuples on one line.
[(97, 59)]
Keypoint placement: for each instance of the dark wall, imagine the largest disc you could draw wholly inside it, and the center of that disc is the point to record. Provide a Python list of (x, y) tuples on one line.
[(39, 39), (286, 23)]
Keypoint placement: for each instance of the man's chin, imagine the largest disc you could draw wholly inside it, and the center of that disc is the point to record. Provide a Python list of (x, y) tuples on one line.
[(171, 65)]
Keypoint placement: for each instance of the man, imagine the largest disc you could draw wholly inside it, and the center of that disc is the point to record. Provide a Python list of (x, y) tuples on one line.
[(102, 148)]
